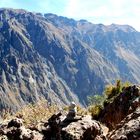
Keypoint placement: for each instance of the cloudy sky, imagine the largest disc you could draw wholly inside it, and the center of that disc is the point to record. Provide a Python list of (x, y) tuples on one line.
[(96, 11)]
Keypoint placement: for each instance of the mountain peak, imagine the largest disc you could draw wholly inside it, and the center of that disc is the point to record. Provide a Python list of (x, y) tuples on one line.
[(125, 28), (13, 10)]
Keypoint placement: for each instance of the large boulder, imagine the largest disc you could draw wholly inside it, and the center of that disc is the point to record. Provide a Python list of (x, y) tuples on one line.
[(84, 129), (15, 130), (17, 122)]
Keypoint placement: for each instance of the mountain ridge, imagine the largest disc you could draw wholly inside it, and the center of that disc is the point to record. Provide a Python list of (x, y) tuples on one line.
[(61, 59)]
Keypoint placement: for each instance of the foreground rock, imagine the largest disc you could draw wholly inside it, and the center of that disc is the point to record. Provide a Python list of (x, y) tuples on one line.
[(84, 129), (128, 129), (77, 129), (15, 130), (121, 106)]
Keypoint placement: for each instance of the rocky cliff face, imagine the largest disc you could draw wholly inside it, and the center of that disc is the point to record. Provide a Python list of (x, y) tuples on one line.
[(128, 128), (120, 106), (122, 115), (27, 76), (61, 59)]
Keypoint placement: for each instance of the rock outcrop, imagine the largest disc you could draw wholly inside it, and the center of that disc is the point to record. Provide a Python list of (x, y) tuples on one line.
[(83, 129), (120, 106), (128, 128), (121, 114), (15, 130)]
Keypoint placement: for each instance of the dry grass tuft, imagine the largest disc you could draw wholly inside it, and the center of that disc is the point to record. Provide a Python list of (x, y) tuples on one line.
[(82, 111), (35, 113), (32, 113)]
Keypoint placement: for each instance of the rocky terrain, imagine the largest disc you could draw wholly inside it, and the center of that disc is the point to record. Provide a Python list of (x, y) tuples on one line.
[(60, 59), (124, 124), (117, 108), (128, 128)]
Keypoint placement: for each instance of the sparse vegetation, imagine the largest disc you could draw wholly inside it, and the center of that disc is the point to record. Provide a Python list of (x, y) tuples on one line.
[(95, 105), (96, 99), (112, 90), (33, 113), (95, 110), (82, 111), (41, 111), (98, 102)]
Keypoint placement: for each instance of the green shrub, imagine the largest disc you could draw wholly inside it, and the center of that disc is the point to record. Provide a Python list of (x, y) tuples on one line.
[(113, 90), (98, 102), (96, 99), (95, 111)]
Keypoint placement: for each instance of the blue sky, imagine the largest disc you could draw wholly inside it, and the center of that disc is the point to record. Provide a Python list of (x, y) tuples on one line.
[(96, 11)]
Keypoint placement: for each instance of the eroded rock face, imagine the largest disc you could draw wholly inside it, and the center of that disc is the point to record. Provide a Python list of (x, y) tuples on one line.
[(128, 128), (122, 115), (124, 104)]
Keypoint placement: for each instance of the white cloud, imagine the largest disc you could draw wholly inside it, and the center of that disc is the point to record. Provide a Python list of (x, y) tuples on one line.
[(107, 11)]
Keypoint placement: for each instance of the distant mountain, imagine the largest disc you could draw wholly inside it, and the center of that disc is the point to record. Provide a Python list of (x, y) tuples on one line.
[(60, 59)]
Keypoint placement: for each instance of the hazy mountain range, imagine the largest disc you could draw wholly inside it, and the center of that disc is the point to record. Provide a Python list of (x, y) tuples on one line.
[(61, 59)]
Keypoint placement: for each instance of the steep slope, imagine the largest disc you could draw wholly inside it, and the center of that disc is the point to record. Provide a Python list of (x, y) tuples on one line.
[(25, 76), (119, 44), (61, 59), (125, 103)]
